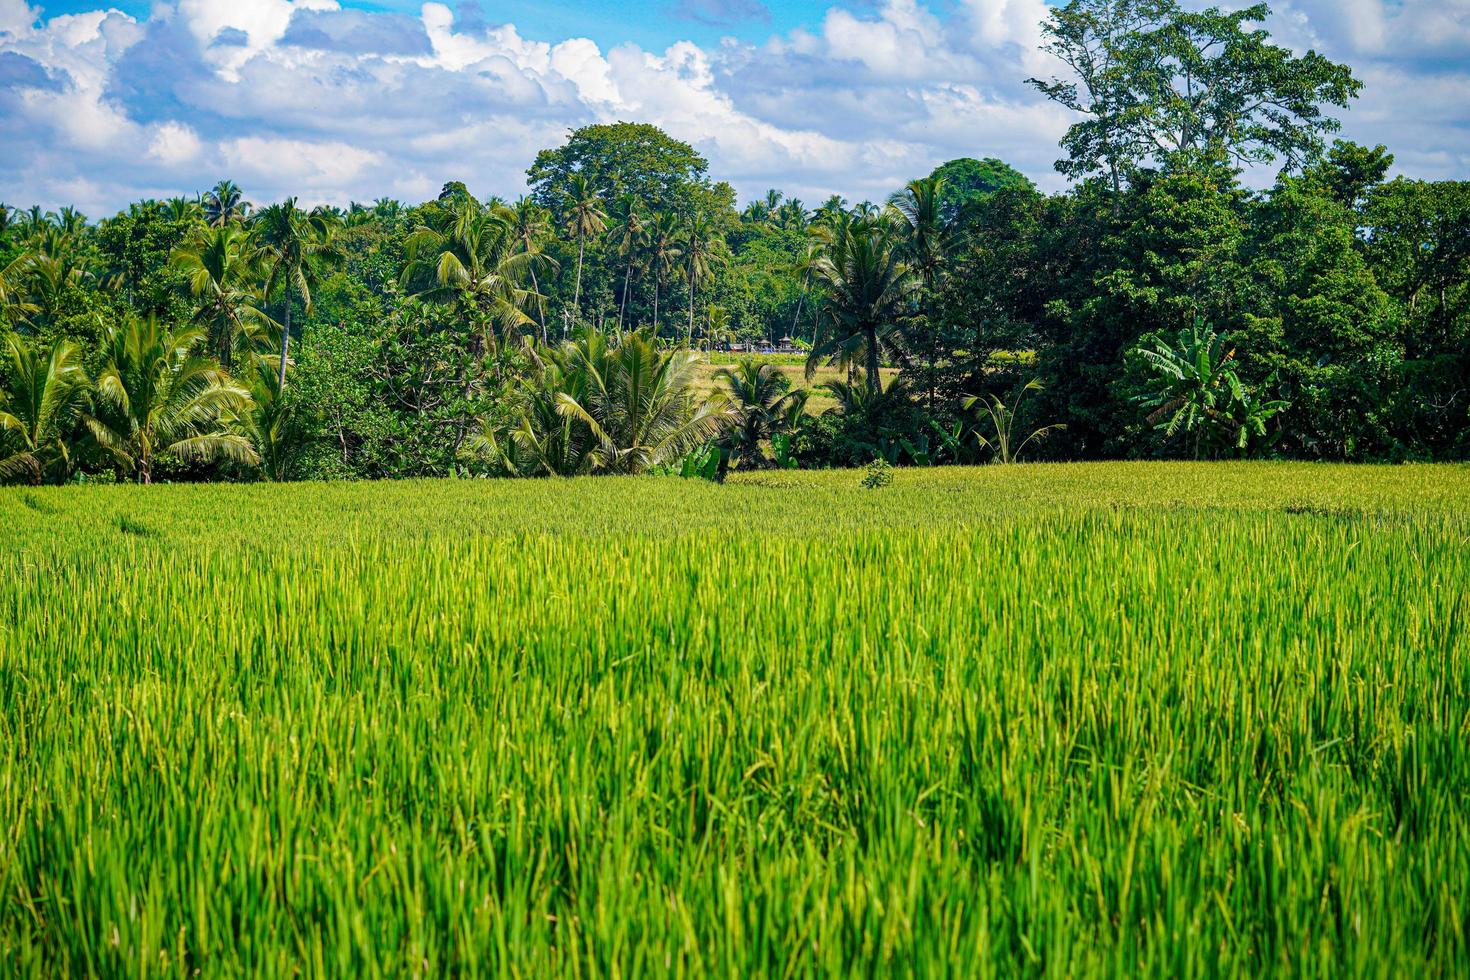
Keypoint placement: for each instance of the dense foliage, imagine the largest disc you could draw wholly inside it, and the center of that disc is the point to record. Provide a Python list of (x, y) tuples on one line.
[(411, 340)]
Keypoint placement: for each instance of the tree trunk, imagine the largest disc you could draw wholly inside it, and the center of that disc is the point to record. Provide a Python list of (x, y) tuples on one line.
[(657, 288), (875, 381), (689, 337), (577, 293), (622, 309), (285, 342), (540, 303)]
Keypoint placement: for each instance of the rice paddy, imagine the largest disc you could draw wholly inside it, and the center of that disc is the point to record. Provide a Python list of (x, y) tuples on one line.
[(1112, 720)]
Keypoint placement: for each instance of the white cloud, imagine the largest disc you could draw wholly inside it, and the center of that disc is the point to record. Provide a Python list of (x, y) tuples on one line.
[(101, 108)]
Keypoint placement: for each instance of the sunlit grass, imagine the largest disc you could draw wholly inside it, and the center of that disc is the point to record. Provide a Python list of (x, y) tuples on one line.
[(1119, 719)]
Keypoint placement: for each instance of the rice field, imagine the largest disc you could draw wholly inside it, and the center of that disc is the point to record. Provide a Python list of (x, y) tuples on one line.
[(1112, 720)]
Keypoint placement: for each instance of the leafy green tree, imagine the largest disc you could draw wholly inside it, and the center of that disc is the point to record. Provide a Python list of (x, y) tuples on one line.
[(967, 182), (622, 158), (929, 239), (639, 403), (1155, 80), (157, 394), (629, 233), (663, 255), (532, 228), (39, 414), (472, 260), (299, 249), (268, 421), (15, 308)]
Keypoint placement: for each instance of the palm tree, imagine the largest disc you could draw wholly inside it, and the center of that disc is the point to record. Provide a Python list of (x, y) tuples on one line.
[(299, 248), (46, 401), (717, 326), (183, 209), (868, 289), (638, 402), (532, 225), (225, 269), (928, 239), (543, 439), (15, 307), (628, 233), (472, 260), (703, 249), (663, 255), (157, 394), (764, 406), (224, 204), (267, 420), (585, 217)]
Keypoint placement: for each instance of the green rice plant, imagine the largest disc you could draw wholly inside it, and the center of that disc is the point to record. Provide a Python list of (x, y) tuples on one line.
[(1115, 720)]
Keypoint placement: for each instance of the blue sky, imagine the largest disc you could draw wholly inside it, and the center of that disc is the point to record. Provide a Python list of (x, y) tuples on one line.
[(337, 100), (649, 23)]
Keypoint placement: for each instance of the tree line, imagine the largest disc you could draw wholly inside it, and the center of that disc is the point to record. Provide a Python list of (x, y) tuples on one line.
[(1158, 307)]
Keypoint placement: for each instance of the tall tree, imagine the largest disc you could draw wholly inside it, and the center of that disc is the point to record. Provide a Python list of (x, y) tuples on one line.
[(299, 248), (1157, 81), (472, 259), (868, 290), (629, 233), (703, 250), (663, 255), (226, 269), (585, 218), (929, 238), (225, 203), (532, 226)]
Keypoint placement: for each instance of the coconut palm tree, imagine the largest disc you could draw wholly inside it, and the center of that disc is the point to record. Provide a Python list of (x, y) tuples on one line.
[(663, 255), (585, 217), (15, 307), (299, 248), (226, 268), (929, 238), (868, 289), (473, 260), (47, 398), (267, 420), (158, 394), (703, 250), (532, 226), (224, 204), (764, 406), (628, 234), (638, 403)]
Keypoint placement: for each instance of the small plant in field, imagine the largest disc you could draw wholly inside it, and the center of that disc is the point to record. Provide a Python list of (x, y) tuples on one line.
[(879, 474), (1001, 418)]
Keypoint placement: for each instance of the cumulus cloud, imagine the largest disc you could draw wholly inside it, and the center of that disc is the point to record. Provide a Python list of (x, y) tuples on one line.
[(333, 104)]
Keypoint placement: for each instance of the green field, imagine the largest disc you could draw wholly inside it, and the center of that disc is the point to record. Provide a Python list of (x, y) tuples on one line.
[(1123, 719)]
